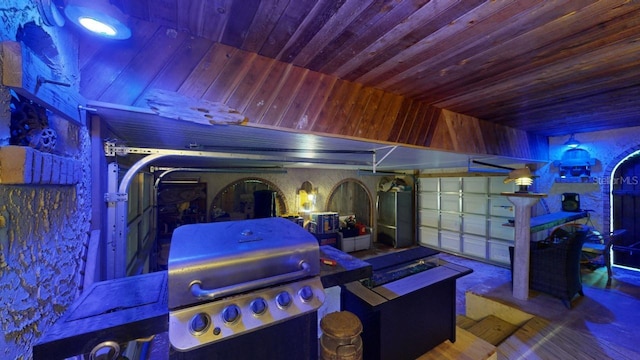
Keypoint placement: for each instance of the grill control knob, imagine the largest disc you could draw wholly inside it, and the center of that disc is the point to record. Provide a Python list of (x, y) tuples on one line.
[(230, 314), (258, 306), (283, 299), (306, 293), (199, 323)]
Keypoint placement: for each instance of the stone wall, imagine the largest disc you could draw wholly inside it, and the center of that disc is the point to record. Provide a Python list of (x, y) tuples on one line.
[(43, 236), (290, 182), (608, 148), (44, 224)]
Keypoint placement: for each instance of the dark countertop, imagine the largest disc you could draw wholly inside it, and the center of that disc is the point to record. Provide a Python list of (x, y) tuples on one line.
[(346, 270), (401, 257), (135, 307), (548, 221)]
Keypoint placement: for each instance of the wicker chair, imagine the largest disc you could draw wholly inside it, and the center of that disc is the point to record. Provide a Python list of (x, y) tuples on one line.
[(596, 251), (554, 265)]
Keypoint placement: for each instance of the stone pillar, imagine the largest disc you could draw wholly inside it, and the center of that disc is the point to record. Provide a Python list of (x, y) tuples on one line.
[(523, 203)]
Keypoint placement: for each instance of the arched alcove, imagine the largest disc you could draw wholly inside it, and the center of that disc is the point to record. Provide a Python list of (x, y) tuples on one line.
[(235, 201), (351, 197)]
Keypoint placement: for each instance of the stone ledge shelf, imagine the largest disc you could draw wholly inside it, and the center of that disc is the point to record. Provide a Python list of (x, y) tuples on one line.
[(25, 165)]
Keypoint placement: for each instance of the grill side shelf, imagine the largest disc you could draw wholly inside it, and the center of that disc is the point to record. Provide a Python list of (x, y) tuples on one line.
[(119, 310), (347, 268)]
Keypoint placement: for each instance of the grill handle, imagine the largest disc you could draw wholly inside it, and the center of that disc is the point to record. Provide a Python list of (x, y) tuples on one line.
[(199, 292)]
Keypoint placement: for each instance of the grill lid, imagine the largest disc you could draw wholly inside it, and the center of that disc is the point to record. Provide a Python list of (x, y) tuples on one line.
[(213, 260)]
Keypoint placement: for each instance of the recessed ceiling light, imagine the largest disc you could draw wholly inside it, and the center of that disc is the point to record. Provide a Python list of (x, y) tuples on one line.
[(98, 17), (97, 26)]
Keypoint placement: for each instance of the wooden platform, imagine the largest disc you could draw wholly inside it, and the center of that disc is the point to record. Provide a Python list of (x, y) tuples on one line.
[(492, 329), (519, 335), (466, 347), (540, 339)]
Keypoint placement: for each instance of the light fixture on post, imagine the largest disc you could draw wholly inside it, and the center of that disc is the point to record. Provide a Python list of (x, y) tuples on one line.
[(99, 17), (523, 201), (522, 177), (572, 142)]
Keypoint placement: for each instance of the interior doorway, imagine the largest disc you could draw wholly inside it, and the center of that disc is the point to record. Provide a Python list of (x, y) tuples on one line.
[(625, 210)]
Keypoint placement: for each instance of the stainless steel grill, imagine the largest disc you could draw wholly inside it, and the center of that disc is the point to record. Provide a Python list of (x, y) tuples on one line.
[(231, 278)]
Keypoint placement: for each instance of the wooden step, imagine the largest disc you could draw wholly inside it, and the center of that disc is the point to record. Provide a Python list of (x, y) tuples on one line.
[(465, 322), (466, 347), (539, 339), (492, 329)]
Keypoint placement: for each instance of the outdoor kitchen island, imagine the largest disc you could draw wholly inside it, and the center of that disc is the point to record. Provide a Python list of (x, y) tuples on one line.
[(136, 307)]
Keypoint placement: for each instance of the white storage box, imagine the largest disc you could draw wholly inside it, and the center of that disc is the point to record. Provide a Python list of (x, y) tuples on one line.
[(356, 243)]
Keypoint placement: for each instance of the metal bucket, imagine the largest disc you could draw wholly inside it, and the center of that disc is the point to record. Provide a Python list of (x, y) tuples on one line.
[(340, 338)]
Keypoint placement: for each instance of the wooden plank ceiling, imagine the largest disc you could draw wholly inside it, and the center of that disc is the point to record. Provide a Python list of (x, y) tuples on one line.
[(549, 68)]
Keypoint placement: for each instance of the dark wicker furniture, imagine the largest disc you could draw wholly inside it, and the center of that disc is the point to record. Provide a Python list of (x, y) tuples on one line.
[(554, 266), (596, 251)]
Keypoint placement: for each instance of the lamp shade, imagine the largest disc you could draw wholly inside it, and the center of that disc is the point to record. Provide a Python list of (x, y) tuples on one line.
[(98, 17), (572, 142), (522, 177), (516, 174)]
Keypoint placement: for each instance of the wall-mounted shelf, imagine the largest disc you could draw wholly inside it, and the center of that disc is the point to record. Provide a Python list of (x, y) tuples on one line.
[(576, 180)]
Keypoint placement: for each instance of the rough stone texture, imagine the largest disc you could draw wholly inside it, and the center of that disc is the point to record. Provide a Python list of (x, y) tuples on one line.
[(43, 229), (608, 148), (20, 21), (14, 14)]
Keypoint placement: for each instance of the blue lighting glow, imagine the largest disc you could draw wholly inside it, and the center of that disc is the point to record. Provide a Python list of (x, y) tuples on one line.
[(572, 143), (99, 18), (97, 27)]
